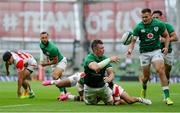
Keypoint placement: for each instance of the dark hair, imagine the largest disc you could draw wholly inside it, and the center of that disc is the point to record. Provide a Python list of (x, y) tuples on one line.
[(158, 11), (6, 56), (146, 10), (95, 43), (44, 32)]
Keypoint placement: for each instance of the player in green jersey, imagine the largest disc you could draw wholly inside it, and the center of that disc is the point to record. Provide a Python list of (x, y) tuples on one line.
[(169, 58), (120, 96), (54, 59), (95, 81), (148, 32)]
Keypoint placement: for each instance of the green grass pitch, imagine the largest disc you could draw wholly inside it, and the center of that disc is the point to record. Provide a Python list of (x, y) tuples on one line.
[(45, 100)]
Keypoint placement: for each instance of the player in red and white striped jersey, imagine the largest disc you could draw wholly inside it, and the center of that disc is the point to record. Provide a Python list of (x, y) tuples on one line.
[(25, 64), (122, 97)]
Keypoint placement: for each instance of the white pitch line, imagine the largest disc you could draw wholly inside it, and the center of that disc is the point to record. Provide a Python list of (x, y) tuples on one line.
[(19, 105)]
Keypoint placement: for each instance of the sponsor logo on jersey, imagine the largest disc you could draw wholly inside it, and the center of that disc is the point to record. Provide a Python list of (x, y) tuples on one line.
[(150, 35)]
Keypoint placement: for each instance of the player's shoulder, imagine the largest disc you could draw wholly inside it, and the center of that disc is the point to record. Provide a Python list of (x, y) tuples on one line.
[(168, 24), (104, 57), (52, 45), (157, 22), (89, 56), (41, 45), (138, 26)]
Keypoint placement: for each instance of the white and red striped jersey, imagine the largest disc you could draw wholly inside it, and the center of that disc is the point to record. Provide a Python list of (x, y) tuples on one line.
[(117, 91), (21, 58)]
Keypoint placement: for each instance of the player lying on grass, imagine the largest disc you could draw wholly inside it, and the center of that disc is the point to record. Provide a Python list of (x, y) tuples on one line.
[(25, 64), (120, 96), (73, 80)]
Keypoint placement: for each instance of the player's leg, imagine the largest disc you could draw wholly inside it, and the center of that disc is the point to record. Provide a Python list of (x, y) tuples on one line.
[(167, 71), (31, 67), (75, 97), (144, 79), (80, 89), (159, 66), (66, 82), (90, 96), (105, 94), (56, 74), (168, 61), (145, 65), (120, 102), (130, 100), (58, 83), (158, 63), (25, 86), (28, 92)]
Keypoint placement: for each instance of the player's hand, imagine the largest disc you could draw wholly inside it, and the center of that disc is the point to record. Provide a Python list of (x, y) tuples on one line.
[(107, 79), (165, 51), (162, 39), (129, 52), (42, 63), (114, 59)]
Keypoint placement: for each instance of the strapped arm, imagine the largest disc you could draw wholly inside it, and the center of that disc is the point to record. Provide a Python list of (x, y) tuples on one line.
[(103, 63)]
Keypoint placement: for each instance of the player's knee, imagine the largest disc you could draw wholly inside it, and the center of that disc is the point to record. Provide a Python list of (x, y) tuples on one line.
[(160, 69), (55, 77), (145, 79), (73, 81)]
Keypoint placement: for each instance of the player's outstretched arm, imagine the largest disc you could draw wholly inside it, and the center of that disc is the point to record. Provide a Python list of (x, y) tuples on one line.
[(131, 46), (98, 66), (166, 42)]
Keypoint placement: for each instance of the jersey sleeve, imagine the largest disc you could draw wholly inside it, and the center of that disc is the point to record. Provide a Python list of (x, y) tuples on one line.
[(136, 30), (170, 28), (90, 59), (20, 65), (162, 27), (54, 52), (87, 61)]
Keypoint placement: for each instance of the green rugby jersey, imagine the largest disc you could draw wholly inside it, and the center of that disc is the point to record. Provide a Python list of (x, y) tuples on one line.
[(51, 50), (170, 29), (93, 79), (149, 35)]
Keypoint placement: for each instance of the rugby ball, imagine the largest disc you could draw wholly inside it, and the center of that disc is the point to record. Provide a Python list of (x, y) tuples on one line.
[(126, 38)]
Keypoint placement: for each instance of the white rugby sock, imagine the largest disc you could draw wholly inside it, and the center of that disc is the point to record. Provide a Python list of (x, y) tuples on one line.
[(71, 97), (55, 82)]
